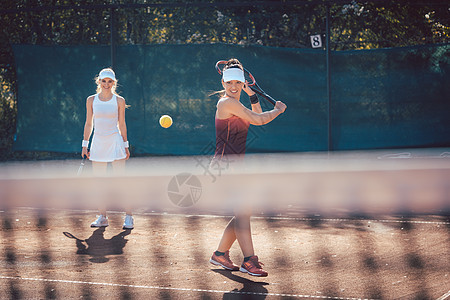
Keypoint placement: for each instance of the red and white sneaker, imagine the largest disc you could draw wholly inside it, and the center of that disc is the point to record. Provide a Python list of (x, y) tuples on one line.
[(253, 267), (224, 261)]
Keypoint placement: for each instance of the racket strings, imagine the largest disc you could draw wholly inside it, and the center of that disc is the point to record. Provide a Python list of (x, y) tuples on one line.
[(249, 78), (220, 65)]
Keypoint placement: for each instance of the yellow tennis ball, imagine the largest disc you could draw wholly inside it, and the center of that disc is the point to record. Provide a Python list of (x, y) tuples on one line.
[(165, 121)]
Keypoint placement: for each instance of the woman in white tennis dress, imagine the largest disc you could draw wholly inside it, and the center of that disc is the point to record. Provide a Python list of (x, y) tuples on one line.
[(105, 115)]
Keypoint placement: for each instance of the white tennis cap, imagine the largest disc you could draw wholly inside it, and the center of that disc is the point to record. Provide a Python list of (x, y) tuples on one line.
[(233, 74), (107, 73)]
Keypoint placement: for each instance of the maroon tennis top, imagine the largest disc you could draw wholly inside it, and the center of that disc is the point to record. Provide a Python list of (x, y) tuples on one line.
[(231, 136)]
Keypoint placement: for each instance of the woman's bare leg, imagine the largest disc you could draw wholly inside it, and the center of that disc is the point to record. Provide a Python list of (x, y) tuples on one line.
[(228, 237), (99, 169), (242, 230), (118, 166), (238, 229), (119, 169)]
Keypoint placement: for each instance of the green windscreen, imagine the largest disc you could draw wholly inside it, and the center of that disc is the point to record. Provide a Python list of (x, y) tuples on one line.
[(379, 98), (391, 98)]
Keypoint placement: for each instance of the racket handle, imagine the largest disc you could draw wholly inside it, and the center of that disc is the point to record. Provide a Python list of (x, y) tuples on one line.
[(80, 168), (267, 97)]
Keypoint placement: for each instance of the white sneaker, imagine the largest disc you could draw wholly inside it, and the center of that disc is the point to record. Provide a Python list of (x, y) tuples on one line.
[(128, 222), (101, 221)]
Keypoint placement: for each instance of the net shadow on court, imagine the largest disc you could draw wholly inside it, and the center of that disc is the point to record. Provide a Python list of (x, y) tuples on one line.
[(309, 251), (340, 258)]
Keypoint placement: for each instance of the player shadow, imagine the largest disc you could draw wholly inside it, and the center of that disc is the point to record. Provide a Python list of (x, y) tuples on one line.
[(98, 247), (250, 290)]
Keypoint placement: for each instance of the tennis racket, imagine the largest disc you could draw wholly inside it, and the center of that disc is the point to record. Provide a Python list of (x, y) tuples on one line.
[(80, 168), (71, 236), (250, 81)]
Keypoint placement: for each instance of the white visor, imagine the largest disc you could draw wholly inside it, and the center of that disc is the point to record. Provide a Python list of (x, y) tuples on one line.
[(107, 74), (233, 74)]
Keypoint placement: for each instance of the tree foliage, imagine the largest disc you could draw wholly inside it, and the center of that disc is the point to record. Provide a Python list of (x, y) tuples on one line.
[(355, 25)]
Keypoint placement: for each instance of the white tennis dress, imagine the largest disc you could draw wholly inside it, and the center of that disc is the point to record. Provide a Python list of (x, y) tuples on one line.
[(107, 143)]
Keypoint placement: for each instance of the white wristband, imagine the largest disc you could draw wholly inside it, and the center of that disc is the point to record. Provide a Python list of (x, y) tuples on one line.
[(85, 144), (126, 144)]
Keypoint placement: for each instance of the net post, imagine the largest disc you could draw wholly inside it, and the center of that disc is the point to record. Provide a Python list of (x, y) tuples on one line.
[(328, 53)]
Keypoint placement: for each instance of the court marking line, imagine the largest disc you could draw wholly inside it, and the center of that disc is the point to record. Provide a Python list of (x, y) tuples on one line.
[(360, 220), (445, 296), (253, 217), (175, 289)]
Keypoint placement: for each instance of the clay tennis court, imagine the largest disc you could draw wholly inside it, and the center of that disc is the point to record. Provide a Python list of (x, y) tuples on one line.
[(53, 253)]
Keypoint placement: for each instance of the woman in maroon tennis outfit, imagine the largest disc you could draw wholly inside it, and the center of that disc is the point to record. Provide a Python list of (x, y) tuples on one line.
[(232, 122)]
